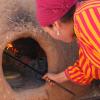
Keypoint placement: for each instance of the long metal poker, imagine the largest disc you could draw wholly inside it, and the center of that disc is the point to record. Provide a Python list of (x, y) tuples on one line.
[(38, 72)]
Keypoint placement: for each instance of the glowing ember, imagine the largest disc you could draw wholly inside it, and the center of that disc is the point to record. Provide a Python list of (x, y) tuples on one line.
[(11, 48), (9, 45)]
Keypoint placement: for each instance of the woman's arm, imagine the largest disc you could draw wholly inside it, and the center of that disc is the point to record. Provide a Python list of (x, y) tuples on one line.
[(74, 73), (60, 78)]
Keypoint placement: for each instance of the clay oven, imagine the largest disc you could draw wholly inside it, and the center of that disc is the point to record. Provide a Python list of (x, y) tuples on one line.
[(18, 26)]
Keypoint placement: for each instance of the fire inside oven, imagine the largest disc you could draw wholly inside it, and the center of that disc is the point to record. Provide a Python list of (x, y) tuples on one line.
[(20, 58)]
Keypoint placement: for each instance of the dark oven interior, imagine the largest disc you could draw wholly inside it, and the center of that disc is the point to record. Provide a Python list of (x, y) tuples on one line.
[(20, 58)]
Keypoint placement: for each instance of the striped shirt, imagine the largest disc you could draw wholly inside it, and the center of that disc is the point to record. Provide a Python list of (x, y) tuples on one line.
[(87, 29)]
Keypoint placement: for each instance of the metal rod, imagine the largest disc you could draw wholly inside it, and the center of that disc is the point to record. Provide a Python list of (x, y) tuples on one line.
[(38, 72), (90, 98), (22, 62), (63, 87)]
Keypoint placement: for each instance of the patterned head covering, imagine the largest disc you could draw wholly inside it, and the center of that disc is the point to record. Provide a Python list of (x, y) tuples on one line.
[(49, 11)]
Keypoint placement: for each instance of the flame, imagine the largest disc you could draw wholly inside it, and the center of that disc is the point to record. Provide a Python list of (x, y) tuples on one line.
[(11, 48), (9, 45)]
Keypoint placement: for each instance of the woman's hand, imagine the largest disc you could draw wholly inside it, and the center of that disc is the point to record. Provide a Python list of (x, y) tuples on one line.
[(59, 78)]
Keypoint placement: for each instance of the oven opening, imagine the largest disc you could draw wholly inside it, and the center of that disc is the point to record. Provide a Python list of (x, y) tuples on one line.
[(24, 64)]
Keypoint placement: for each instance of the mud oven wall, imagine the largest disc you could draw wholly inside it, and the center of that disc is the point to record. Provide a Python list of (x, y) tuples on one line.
[(18, 21)]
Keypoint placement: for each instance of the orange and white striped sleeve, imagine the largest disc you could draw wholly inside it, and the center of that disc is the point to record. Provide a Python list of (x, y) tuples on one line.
[(87, 29)]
